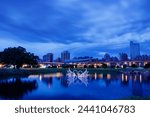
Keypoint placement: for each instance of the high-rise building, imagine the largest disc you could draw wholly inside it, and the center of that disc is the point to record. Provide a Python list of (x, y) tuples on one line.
[(58, 59), (107, 57), (65, 55), (134, 50), (48, 57), (123, 56)]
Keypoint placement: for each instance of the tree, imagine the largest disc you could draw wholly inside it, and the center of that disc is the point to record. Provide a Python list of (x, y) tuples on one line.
[(16, 88), (104, 65), (124, 66), (0, 57), (91, 66), (17, 56), (147, 65), (134, 66), (85, 66)]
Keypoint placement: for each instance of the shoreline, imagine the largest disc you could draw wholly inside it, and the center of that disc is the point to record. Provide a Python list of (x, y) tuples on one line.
[(36, 71)]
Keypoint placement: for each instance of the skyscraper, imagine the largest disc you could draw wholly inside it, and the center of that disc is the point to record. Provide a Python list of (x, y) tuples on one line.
[(134, 50), (65, 55), (48, 57)]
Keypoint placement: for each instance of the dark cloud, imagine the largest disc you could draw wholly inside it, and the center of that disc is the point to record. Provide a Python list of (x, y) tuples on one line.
[(99, 25)]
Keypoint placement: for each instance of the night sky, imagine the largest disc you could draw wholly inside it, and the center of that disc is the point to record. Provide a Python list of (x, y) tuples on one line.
[(84, 27)]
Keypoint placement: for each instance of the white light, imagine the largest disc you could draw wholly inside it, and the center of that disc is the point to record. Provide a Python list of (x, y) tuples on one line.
[(42, 66), (95, 76), (77, 75)]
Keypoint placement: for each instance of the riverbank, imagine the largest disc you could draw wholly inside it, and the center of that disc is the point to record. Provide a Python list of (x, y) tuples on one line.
[(12, 72), (36, 71)]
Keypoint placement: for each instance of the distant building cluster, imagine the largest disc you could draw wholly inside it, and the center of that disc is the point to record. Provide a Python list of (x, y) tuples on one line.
[(122, 60), (143, 57), (49, 57), (134, 50), (135, 59), (65, 56)]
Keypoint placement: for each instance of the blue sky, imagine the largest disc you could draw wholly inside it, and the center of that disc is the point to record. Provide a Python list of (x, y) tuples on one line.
[(85, 27)]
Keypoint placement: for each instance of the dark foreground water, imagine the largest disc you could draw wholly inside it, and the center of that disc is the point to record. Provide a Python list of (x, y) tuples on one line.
[(60, 86)]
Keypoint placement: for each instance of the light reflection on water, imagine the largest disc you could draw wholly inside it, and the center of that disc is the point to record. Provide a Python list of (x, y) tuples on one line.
[(56, 86), (58, 75)]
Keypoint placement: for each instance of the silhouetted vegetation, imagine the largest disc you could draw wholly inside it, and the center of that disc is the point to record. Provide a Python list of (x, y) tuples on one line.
[(134, 66), (0, 57), (104, 65), (16, 88), (17, 56), (85, 66), (112, 66), (147, 65), (91, 66), (69, 66), (124, 66)]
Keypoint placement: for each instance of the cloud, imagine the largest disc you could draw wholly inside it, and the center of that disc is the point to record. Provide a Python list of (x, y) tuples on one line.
[(87, 26)]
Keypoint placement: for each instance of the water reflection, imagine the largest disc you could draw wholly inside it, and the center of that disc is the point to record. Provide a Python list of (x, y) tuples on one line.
[(16, 88), (108, 76), (137, 88), (47, 81), (137, 81), (124, 80), (77, 77), (96, 86), (47, 78), (52, 75)]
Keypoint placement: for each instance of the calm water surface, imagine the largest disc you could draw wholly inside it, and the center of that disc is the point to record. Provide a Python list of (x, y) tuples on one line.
[(60, 86)]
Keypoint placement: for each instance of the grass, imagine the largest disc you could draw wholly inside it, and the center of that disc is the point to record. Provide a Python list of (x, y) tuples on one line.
[(35, 71), (12, 72)]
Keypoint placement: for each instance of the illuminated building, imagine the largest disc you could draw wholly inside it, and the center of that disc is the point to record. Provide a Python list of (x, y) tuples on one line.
[(65, 55), (134, 50), (48, 57)]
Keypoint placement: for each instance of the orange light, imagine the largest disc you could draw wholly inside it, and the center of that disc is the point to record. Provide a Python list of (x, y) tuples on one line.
[(100, 75), (145, 63), (122, 77), (42, 66), (1, 65), (108, 64), (108, 76), (126, 77), (25, 65)]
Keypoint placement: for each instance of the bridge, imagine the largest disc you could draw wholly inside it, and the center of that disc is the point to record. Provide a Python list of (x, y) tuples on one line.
[(139, 63)]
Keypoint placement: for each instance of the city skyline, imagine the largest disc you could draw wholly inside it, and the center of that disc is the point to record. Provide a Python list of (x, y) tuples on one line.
[(133, 54), (84, 28)]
